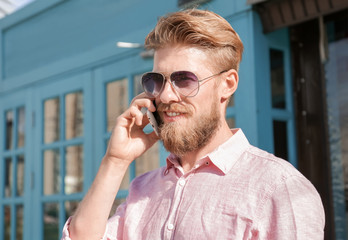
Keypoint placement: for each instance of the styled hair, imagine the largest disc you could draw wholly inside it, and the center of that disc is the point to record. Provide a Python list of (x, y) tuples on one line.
[(202, 29)]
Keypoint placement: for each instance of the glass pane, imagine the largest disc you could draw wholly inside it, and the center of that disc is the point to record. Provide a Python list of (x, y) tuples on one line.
[(9, 130), (73, 115), (8, 177), (231, 101), (277, 78), (116, 101), (117, 202), (51, 120), (137, 85), (19, 222), (231, 122), (70, 208), (51, 172), (280, 139), (51, 221), (148, 161), (73, 169), (125, 181), (336, 72), (20, 175), (7, 223), (21, 127)]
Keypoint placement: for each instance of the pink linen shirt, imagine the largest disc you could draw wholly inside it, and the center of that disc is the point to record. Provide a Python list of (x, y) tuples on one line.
[(236, 192)]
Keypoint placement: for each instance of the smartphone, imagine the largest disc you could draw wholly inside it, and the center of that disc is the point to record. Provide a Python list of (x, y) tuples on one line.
[(154, 119)]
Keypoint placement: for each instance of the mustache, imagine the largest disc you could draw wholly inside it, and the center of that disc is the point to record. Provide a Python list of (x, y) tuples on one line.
[(174, 107)]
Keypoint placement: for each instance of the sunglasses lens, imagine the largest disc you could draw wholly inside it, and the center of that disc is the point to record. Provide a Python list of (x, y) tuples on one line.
[(185, 82), (152, 83)]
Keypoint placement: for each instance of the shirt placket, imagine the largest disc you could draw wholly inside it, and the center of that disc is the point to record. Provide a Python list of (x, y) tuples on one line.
[(178, 197)]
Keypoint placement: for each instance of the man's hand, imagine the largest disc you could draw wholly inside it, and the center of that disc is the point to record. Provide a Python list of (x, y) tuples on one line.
[(128, 140)]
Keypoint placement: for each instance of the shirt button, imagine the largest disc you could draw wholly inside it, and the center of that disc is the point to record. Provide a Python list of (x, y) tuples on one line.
[(170, 226), (182, 182)]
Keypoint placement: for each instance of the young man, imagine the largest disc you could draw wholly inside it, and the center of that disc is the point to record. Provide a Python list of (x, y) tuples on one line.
[(215, 185)]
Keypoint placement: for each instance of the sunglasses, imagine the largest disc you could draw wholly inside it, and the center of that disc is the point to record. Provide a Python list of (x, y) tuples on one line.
[(184, 82)]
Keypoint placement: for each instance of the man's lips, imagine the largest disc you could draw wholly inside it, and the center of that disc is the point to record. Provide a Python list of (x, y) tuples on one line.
[(172, 112)]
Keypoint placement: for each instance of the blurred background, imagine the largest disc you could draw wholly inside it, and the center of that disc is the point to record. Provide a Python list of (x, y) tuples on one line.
[(68, 68)]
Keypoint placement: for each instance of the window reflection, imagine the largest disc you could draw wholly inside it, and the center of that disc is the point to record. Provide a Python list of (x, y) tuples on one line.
[(231, 122), (9, 130), (74, 169), (7, 223), (117, 202), (148, 161), (20, 175), (137, 87), (231, 101), (51, 221), (125, 181), (280, 139), (73, 115), (336, 72), (51, 120), (116, 100), (70, 208), (8, 177), (19, 222), (51, 172), (277, 78), (20, 127)]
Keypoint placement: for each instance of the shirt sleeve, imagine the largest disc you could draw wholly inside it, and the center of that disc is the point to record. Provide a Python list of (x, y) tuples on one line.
[(114, 226), (295, 211)]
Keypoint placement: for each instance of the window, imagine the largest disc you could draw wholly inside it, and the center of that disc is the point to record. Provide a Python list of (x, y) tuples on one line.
[(13, 162), (336, 72), (63, 160), (281, 106)]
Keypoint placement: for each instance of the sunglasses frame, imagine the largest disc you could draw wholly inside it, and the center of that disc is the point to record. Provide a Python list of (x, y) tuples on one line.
[(177, 89)]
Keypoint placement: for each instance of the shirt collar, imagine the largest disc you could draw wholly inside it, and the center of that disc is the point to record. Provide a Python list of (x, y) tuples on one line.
[(224, 156)]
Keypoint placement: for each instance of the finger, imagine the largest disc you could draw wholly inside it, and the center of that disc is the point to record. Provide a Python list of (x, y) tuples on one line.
[(144, 103), (135, 113)]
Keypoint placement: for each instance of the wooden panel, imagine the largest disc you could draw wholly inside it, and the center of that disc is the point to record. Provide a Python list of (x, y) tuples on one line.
[(287, 11), (312, 7), (283, 13), (309, 92), (324, 5), (298, 9)]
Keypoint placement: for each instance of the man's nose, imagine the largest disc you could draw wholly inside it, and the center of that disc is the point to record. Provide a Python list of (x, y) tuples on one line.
[(169, 93)]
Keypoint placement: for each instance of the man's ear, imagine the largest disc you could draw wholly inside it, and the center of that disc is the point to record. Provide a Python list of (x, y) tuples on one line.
[(229, 83)]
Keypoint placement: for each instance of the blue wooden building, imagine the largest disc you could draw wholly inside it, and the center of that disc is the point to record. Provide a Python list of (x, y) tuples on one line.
[(64, 80)]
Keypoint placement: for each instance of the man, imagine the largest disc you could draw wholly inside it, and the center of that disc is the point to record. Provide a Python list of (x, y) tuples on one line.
[(215, 185)]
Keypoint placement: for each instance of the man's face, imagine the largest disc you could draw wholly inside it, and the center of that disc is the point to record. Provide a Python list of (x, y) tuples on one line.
[(189, 123)]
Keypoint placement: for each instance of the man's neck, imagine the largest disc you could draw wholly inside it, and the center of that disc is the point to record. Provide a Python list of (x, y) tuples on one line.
[(222, 135)]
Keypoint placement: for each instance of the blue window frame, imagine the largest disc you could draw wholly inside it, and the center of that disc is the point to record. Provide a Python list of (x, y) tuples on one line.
[(63, 143), (14, 167), (281, 99), (276, 123)]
